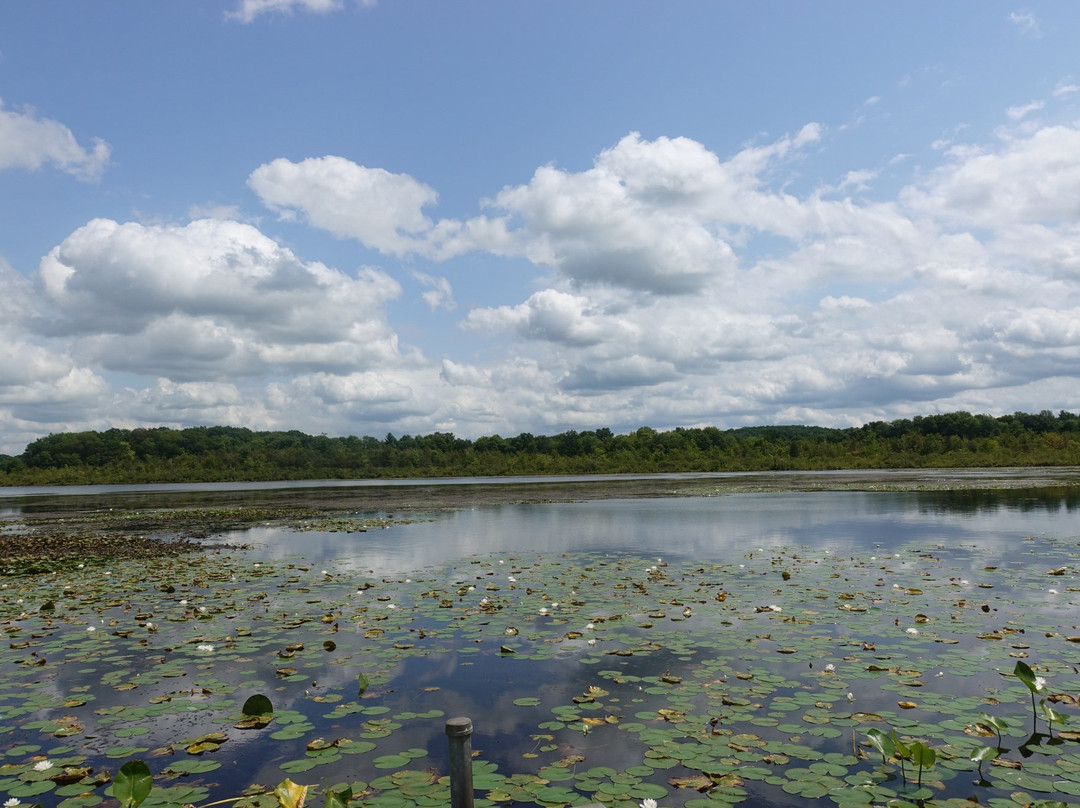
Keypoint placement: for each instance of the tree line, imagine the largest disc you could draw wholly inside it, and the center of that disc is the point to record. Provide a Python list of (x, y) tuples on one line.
[(226, 453)]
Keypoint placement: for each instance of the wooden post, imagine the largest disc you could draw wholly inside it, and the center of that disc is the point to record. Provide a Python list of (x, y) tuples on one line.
[(459, 732)]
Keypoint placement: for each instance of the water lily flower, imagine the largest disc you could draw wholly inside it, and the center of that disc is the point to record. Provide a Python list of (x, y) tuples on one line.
[(830, 668), (1040, 684), (390, 606), (511, 579), (555, 605), (590, 626), (183, 603), (43, 765), (1052, 591), (91, 628), (648, 802), (851, 697), (591, 641), (774, 608), (205, 647), (912, 630), (202, 608), (543, 610), (11, 802)]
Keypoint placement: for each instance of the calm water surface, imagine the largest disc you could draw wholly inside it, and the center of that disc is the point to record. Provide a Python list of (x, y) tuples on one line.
[(970, 530), (697, 528)]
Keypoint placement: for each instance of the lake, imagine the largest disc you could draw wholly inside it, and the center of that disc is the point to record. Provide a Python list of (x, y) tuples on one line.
[(731, 646)]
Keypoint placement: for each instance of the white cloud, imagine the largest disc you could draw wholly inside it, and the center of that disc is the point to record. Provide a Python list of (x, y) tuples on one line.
[(672, 286), (380, 209), (1016, 113), (552, 316), (1026, 23), (211, 299), (440, 294), (1030, 179), (29, 141), (248, 10)]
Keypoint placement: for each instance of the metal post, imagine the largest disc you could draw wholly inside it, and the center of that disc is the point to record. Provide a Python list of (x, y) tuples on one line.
[(459, 732)]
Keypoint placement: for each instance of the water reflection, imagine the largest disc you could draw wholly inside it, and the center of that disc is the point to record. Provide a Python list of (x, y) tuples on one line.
[(702, 528)]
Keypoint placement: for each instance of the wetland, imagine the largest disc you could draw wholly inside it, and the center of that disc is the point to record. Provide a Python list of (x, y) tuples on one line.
[(699, 640)]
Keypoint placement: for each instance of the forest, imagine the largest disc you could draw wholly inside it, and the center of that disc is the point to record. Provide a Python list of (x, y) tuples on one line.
[(227, 453)]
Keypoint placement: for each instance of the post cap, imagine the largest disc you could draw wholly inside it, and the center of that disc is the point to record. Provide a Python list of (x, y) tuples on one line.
[(459, 727)]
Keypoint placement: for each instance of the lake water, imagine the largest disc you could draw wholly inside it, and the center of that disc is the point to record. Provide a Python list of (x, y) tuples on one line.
[(695, 528), (775, 615)]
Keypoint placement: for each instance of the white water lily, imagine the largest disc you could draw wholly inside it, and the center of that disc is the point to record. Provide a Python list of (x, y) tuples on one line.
[(43, 765), (1052, 591), (11, 802), (774, 608), (543, 610), (1040, 684), (591, 641), (590, 626), (511, 579), (830, 668), (648, 802), (911, 630), (851, 697), (91, 628), (205, 647)]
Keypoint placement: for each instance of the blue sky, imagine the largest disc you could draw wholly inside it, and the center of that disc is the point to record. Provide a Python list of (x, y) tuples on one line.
[(481, 217)]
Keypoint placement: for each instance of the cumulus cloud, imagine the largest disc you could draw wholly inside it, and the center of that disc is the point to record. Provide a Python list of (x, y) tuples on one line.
[(380, 209), (1030, 179), (29, 141), (672, 285), (929, 279), (213, 298)]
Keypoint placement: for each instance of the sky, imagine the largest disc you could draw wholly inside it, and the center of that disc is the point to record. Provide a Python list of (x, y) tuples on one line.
[(361, 218)]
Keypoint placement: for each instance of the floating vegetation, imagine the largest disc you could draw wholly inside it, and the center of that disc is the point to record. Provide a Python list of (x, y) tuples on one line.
[(905, 677)]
